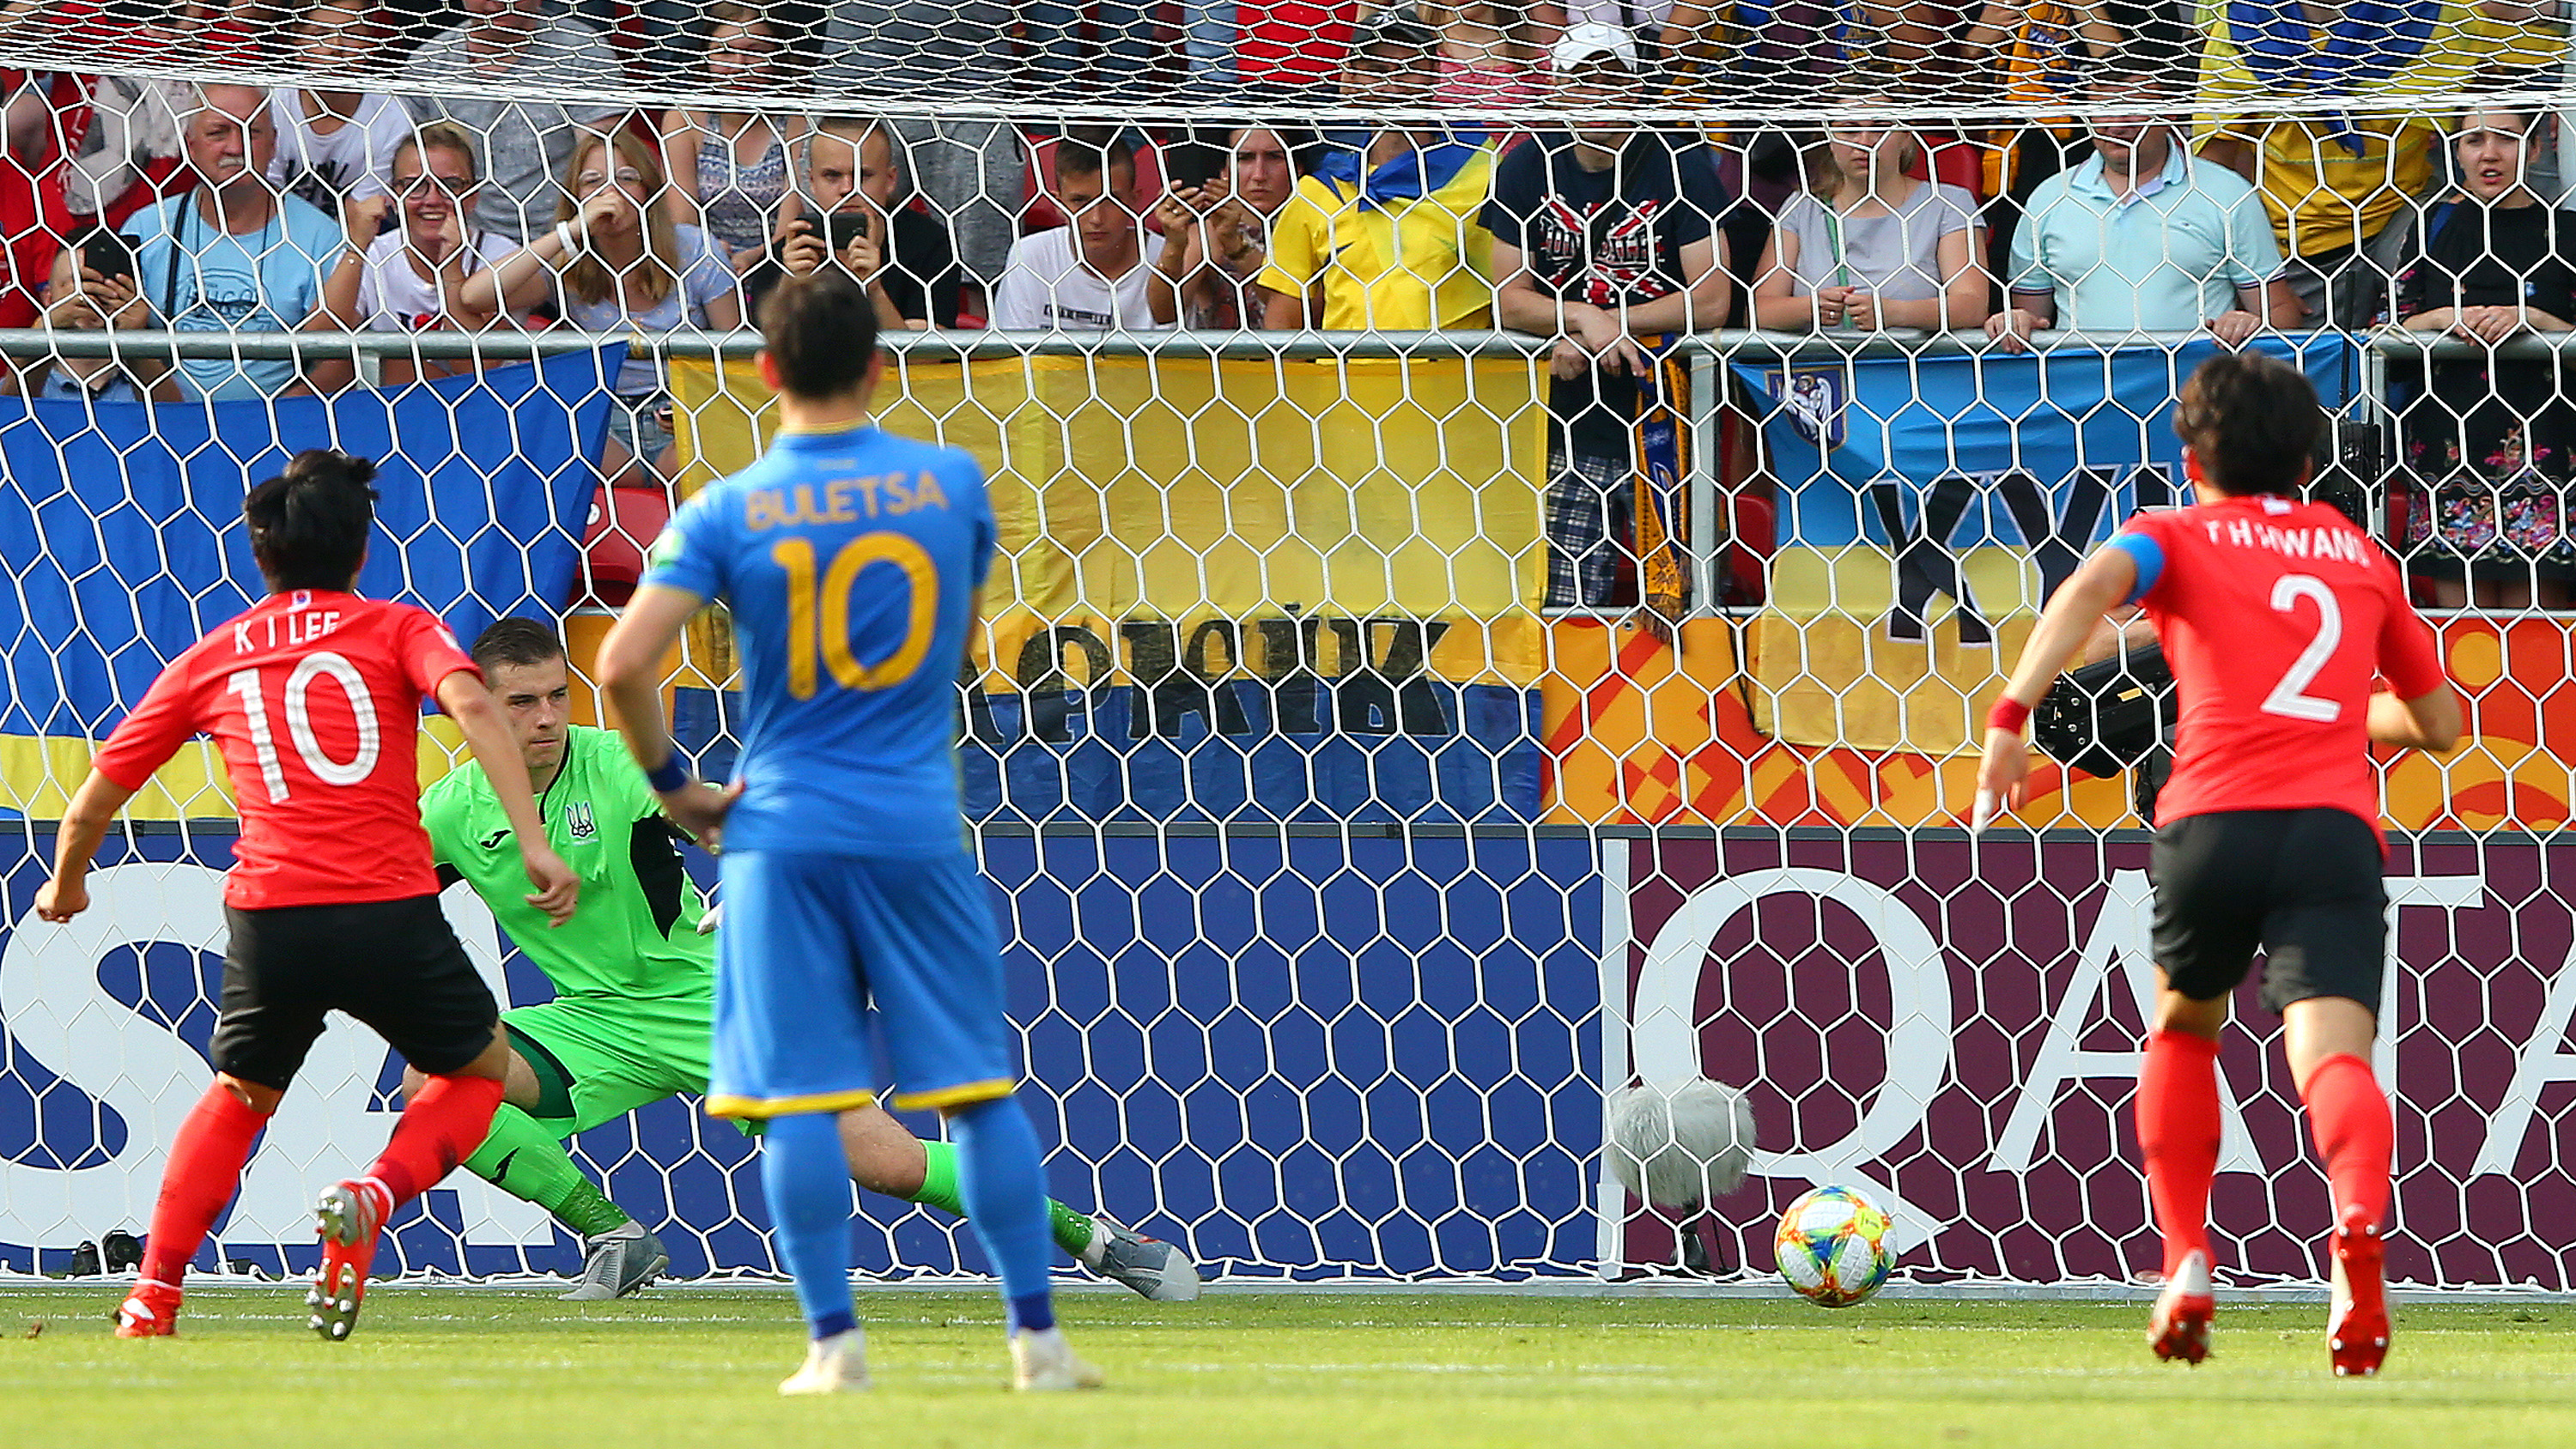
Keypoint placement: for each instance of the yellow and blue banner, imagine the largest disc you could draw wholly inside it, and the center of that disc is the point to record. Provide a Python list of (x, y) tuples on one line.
[(1928, 505), (1255, 590)]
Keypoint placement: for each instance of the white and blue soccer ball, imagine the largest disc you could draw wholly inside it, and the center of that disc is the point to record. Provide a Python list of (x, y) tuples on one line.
[(1682, 1143), (1833, 1246)]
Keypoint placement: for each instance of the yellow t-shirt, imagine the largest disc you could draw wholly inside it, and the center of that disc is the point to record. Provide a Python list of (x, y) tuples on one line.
[(2321, 194), (1410, 266), (2039, 68)]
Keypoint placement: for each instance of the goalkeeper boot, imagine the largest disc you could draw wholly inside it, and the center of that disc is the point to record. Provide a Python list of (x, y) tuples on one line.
[(348, 1215), (150, 1311), (1042, 1362), (834, 1365), (2357, 1324), (2180, 1327), (617, 1263), (1150, 1266)]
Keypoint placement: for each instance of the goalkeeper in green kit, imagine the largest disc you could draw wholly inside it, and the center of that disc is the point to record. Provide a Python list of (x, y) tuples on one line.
[(632, 1020)]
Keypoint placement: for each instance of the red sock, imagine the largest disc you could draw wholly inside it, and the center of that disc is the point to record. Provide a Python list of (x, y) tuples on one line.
[(444, 1121), (2348, 1115), (203, 1173), (2178, 1130)]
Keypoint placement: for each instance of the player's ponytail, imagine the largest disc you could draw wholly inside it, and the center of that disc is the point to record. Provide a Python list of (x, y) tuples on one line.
[(308, 525)]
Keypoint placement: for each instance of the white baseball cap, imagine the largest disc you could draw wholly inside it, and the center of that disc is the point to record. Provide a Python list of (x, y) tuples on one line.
[(1583, 44)]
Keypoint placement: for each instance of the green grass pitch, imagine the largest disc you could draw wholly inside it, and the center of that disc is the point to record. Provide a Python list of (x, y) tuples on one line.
[(476, 1369)]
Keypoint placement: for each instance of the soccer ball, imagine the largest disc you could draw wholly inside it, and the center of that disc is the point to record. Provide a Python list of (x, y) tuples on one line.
[(1679, 1144), (1833, 1246)]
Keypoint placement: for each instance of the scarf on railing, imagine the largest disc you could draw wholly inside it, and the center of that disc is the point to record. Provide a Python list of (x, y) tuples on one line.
[(2373, 40), (1409, 177)]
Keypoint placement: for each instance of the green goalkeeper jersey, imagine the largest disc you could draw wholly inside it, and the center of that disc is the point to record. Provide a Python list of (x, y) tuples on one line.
[(635, 933)]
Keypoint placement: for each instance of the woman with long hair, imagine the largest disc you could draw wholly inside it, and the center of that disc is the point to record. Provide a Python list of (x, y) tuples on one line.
[(615, 262), (728, 169)]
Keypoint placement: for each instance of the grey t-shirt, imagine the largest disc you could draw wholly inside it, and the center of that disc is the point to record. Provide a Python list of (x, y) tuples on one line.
[(524, 144), (1896, 255)]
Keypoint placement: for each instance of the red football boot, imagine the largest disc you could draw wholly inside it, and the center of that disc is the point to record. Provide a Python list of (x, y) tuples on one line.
[(2180, 1326), (2357, 1325), (347, 1215), (150, 1311)]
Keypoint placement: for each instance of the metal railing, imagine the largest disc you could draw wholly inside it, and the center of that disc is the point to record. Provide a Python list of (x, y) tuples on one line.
[(1728, 345)]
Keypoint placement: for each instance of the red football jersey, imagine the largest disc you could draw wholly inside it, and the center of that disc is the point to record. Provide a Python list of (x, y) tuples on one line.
[(2277, 619), (314, 698)]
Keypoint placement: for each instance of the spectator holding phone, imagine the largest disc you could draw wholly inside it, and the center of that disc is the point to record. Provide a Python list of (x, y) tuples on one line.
[(861, 223), (1216, 230), (91, 289), (615, 262)]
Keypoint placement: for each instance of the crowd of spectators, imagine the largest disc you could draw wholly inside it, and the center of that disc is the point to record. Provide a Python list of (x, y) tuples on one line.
[(461, 198)]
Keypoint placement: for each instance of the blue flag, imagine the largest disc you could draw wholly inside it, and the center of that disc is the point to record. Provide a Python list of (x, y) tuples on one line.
[(123, 543)]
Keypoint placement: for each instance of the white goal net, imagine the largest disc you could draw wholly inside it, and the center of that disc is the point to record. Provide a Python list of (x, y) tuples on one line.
[(1508, 519)]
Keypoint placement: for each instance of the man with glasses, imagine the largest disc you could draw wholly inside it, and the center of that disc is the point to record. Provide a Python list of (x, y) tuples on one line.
[(2145, 237), (232, 255)]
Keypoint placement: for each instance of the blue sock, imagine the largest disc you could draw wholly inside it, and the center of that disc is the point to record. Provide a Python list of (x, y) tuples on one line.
[(807, 1179), (1004, 1184)]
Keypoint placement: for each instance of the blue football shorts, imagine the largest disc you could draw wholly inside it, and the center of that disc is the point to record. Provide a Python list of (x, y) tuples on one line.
[(817, 949)]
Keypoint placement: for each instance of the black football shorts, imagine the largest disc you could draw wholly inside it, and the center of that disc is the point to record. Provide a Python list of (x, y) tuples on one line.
[(2303, 886), (394, 965)]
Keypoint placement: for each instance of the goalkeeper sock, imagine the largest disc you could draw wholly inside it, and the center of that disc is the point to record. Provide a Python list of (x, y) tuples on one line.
[(204, 1171), (437, 1127), (2348, 1116), (1071, 1230), (807, 1179), (2178, 1131), (525, 1161), (1005, 1186)]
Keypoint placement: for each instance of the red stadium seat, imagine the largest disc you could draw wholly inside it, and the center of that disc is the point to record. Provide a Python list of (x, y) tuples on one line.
[(623, 523)]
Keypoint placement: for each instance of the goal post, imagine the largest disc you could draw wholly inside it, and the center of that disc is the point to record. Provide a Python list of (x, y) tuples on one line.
[(1342, 875)]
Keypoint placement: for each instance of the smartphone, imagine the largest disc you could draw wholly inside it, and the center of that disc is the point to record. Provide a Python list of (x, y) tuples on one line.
[(840, 228), (108, 254), (1194, 163)]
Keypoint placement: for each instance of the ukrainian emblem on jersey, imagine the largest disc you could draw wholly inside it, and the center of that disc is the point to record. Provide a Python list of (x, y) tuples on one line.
[(585, 826), (666, 547)]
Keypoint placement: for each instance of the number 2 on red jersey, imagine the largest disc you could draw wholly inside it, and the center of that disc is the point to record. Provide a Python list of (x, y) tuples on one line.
[(299, 722), (2290, 697)]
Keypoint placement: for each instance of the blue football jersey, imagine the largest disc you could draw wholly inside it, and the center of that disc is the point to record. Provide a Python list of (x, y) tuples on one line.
[(851, 562)]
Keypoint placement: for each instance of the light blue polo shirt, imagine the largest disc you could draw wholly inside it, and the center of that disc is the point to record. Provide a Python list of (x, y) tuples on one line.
[(204, 279), (2165, 258)]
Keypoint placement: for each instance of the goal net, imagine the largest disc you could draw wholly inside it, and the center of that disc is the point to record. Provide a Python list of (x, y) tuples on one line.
[(1396, 726)]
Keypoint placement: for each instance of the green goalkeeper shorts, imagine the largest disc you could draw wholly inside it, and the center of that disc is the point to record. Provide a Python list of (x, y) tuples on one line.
[(598, 1058)]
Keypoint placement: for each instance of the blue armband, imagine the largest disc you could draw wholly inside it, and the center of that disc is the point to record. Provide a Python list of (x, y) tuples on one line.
[(668, 776), (2147, 554)]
